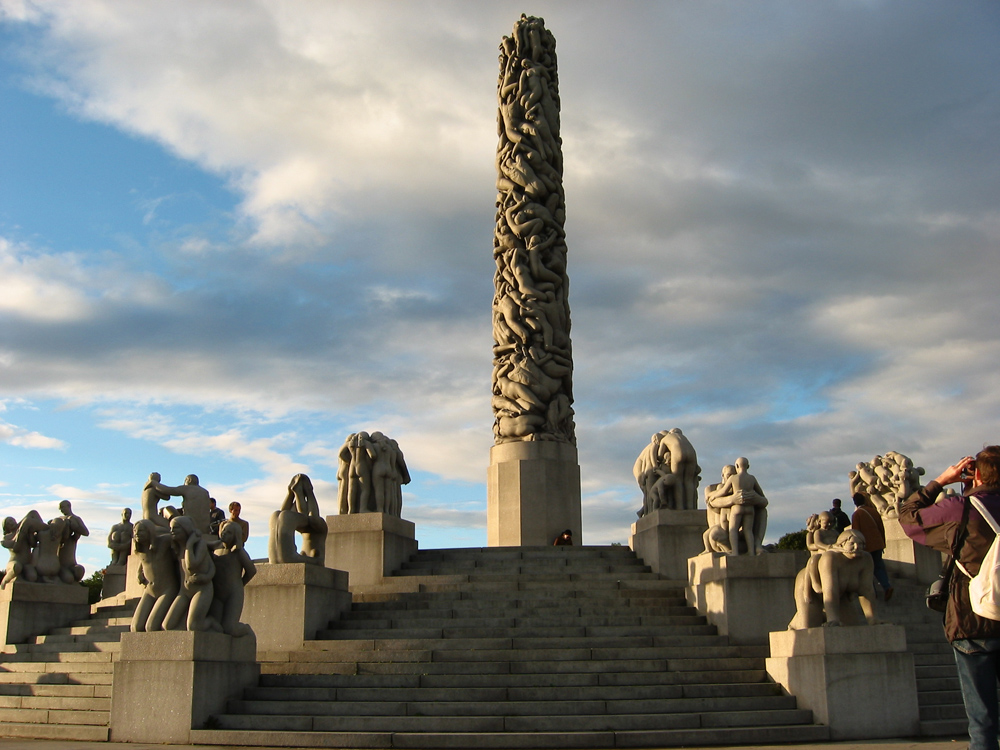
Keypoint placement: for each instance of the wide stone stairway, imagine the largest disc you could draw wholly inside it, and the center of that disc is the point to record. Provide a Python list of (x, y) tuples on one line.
[(59, 685), (516, 647)]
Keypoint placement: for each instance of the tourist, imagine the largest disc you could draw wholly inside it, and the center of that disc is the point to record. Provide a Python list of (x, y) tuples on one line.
[(564, 540), (976, 640), (840, 519), (868, 521), (215, 516)]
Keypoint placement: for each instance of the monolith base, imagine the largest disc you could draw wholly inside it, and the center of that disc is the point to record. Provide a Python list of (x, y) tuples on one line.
[(533, 494), (30, 609)]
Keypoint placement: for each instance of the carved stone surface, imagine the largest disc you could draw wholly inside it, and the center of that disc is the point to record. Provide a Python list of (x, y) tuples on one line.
[(196, 503), (887, 480), (371, 472), (737, 512), (298, 513), (44, 552), (826, 587), (120, 539), (532, 356), (668, 473)]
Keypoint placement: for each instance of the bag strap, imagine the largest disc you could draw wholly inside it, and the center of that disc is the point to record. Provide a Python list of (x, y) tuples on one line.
[(959, 541), (987, 516)]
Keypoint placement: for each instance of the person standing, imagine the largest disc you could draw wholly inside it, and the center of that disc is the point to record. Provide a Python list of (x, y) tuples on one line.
[(840, 519), (868, 521), (953, 524)]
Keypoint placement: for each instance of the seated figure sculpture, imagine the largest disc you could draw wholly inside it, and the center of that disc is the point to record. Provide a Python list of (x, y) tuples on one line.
[(20, 539), (299, 513), (120, 539), (69, 570), (820, 533), (831, 580), (46, 543), (158, 575), (747, 505), (233, 571)]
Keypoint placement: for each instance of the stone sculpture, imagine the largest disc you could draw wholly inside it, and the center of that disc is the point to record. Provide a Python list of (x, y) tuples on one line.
[(370, 474), (532, 356), (69, 570), (196, 503), (20, 539), (299, 513), (820, 532), (887, 480), (151, 496), (831, 580), (742, 510), (668, 473), (194, 599), (158, 575), (120, 539), (233, 571)]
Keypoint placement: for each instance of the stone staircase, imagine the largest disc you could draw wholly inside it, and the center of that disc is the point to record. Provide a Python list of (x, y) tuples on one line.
[(567, 647), (942, 713), (58, 686)]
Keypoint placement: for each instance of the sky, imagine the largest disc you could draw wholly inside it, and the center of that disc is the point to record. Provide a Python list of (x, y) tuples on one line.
[(234, 232)]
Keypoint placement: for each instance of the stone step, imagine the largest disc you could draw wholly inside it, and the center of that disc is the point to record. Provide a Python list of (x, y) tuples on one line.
[(55, 677), (939, 697), (760, 735), (88, 661), (364, 651), (528, 579), (62, 703), (945, 728), (110, 637), (60, 732), (91, 629), (651, 638), (942, 712), (494, 554), (63, 690), (568, 706), (67, 652), (524, 567), (415, 666), (938, 683), (697, 680), (499, 694), (947, 659), (935, 671), (510, 723), (53, 716), (340, 631)]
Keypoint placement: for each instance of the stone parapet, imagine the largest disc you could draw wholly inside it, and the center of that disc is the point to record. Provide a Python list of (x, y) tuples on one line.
[(369, 546), (30, 609), (665, 539)]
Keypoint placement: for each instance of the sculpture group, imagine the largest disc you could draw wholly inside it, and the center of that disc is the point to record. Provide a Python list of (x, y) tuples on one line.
[(668, 473), (532, 357), (43, 552), (191, 579), (371, 473), (887, 480)]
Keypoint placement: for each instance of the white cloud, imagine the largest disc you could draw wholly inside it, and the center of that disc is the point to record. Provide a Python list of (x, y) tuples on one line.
[(17, 436)]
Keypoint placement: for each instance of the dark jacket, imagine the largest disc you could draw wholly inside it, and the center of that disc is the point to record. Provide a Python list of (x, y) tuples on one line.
[(934, 524), (840, 519)]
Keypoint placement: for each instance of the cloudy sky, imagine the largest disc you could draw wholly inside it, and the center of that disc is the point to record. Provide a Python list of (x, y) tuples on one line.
[(232, 232)]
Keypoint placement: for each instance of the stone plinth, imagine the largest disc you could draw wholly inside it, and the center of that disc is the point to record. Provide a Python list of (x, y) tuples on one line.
[(905, 558), (369, 546), (133, 589), (287, 604), (169, 682), (114, 581), (746, 596), (30, 609), (665, 539), (859, 680), (533, 494)]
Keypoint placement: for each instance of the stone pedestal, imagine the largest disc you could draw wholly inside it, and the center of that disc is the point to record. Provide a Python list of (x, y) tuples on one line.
[(369, 546), (287, 604), (905, 558), (30, 609), (133, 589), (859, 681), (665, 539), (114, 581), (169, 682), (532, 494), (747, 596)]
